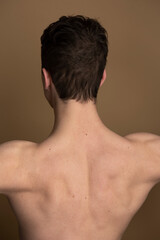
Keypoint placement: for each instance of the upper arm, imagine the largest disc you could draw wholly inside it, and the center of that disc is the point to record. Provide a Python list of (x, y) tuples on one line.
[(12, 167), (147, 156)]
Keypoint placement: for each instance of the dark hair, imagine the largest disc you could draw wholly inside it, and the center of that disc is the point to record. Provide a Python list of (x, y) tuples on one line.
[(74, 51)]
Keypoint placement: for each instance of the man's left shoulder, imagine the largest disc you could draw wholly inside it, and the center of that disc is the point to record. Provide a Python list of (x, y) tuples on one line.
[(15, 148), (14, 166)]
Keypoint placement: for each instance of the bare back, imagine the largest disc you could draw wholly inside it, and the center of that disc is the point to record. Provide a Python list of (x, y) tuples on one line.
[(79, 192)]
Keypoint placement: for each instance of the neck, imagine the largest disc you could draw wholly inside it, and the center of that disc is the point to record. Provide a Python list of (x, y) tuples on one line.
[(74, 119)]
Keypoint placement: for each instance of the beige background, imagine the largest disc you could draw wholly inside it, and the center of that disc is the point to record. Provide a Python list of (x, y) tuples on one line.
[(129, 101)]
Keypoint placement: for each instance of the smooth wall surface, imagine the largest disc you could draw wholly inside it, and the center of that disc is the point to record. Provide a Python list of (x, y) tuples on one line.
[(129, 100)]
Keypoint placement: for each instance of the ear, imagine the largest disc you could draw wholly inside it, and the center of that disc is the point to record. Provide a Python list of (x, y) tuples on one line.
[(103, 77), (46, 79)]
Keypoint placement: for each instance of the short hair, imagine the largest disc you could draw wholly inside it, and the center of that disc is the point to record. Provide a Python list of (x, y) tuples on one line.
[(74, 51)]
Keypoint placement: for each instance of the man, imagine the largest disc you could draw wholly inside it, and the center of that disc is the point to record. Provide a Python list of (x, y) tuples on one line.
[(84, 182)]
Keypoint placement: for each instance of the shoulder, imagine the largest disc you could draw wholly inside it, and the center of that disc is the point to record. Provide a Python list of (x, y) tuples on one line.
[(15, 148), (147, 142), (142, 137), (147, 147), (14, 166)]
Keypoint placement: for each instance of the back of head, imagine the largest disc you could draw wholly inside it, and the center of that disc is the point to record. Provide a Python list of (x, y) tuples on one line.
[(74, 51)]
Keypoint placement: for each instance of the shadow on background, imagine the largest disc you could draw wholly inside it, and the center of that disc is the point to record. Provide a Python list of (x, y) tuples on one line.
[(8, 222)]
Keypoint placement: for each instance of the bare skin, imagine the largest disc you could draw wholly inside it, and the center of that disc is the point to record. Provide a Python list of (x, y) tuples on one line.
[(83, 182)]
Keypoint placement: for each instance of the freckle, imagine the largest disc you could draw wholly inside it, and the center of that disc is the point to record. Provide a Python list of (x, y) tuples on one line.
[(85, 197), (73, 196), (49, 149), (86, 134)]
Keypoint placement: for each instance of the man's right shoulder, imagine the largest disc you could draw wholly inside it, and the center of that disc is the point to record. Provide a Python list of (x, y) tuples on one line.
[(142, 137), (148, 149)]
